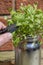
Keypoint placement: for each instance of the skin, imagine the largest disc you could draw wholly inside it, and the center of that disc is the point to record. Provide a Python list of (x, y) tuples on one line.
[(4, 38)]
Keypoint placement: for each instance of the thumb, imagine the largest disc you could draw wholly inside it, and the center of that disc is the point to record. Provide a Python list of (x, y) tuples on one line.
[(2, 25)]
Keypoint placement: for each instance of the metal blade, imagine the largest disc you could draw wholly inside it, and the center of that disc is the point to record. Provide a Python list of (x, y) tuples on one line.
[(12, 28)]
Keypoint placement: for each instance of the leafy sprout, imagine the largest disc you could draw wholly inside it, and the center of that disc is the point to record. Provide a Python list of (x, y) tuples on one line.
[(30, 22)]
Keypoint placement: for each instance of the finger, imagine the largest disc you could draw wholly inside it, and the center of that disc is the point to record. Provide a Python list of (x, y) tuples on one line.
[(2, 25), (5, 38)]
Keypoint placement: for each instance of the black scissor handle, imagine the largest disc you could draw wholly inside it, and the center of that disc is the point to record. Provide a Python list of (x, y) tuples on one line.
[(3, 30)]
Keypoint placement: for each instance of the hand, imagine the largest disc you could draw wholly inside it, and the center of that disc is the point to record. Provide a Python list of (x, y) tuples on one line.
[(4, 37)]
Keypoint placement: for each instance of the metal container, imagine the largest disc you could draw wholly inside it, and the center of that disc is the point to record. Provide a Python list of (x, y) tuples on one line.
[(30, 55), (32, 58)]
